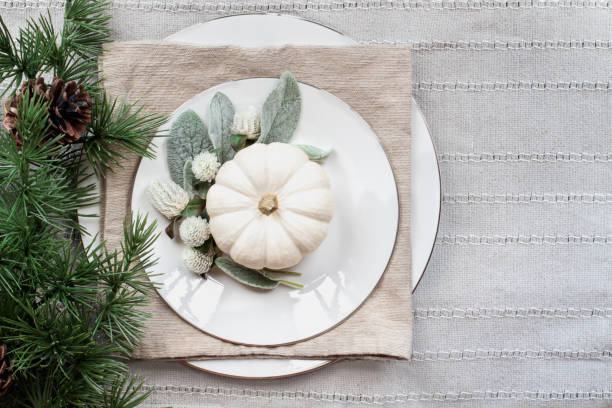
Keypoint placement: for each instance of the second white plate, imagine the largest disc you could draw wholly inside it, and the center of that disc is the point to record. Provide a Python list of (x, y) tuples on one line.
[(263, 30)]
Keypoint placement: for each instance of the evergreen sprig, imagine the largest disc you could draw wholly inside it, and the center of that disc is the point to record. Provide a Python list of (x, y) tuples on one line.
[(124, 393), (69, 54), (118, 127), (69, 315)]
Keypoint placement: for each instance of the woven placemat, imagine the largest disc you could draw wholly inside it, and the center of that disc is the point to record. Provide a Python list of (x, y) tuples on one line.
[(374, 80)]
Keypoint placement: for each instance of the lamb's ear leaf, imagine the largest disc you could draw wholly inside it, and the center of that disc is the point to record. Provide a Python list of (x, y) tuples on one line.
[(313, 152), (280, 113), (188, 137), (245, 275), (192, 185), (220, 125), (188, 178), (201, 188)]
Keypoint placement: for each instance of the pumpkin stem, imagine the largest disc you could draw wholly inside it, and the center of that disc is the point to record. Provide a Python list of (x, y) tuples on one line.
[(268, 204)]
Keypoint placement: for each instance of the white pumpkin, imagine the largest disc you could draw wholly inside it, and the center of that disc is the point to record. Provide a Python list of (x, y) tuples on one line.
[(269, 206)]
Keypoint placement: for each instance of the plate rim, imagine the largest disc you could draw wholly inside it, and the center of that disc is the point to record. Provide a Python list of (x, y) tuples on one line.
[(269, 377), (254, 13), (433, 145), (429, 134)]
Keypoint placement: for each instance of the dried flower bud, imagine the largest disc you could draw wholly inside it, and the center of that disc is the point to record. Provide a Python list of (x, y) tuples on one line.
[(247, 123), (196, 261), (205, 166), (194, 231), (167, 197)]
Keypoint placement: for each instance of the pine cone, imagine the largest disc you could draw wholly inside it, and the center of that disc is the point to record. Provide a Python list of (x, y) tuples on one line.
[(5, 375), (70, 109)]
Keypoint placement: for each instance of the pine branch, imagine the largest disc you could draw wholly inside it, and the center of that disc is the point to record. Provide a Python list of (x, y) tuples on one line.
[(118, 127), (25, 58), (86, 27), (48, 337), (36, 175), (69, 281), (68, 315), (49, 326), (127, 287), (25, 242), (48, 391), (8, 57), (126, 392), (33, 52), (50, 293), (71, 54), (31, 125)]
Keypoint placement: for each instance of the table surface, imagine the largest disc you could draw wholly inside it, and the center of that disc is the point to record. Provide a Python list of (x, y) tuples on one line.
[(515, 308)]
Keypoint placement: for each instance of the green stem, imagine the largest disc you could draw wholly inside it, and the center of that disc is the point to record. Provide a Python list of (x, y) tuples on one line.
[(270, 275), (294, 285), (266, 270)]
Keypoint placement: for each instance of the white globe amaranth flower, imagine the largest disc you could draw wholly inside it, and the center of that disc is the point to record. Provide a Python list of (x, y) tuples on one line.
[(194, 231), (247, 122), (196, 261), (205, 166), (167, 197)]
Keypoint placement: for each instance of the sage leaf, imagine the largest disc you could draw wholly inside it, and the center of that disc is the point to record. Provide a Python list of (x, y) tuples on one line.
[(220, 125), (280, 113), (195, 207), (188, 137), (245, 275), (313, 152)]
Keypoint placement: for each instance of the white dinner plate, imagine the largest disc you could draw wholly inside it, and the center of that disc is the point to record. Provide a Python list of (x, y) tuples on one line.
[(263, 30), (337, 277)]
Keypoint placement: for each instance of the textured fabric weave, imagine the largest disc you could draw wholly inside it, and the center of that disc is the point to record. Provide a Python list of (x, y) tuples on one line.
[(513, 325), (162, 76)]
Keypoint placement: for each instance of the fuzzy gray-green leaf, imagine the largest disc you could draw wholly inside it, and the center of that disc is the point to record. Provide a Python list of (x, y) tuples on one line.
[(280, 113), (220, 125), (188, 137), (313, 152), (192, 185), (244, 275), (188, 178)]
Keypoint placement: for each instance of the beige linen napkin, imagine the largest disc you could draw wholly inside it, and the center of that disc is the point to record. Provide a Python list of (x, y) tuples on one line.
[(374, 80)]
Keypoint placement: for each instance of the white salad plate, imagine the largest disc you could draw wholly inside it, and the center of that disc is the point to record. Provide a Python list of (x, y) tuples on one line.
[(341, 273)]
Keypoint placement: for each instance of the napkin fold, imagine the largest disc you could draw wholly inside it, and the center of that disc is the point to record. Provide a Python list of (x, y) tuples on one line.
[(373, 80)]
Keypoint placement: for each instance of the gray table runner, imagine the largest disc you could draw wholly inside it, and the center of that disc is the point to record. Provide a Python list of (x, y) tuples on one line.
[(515, 308)]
